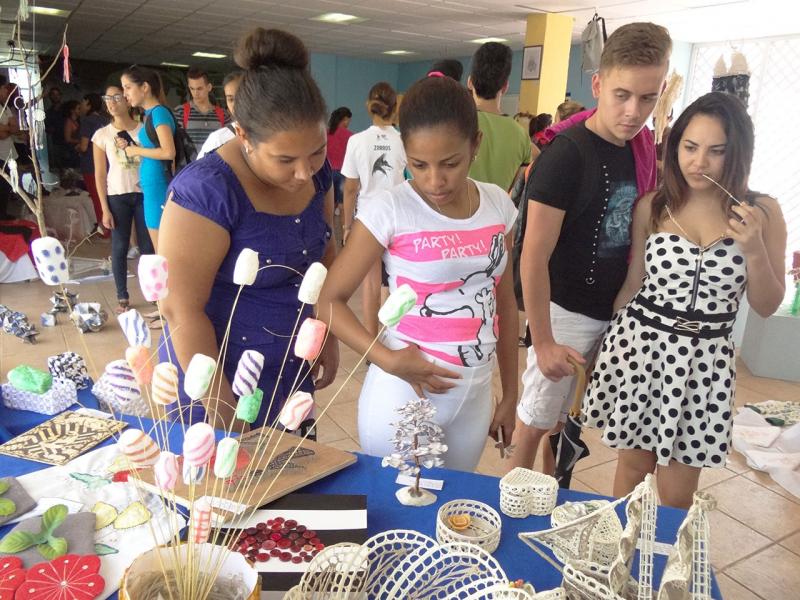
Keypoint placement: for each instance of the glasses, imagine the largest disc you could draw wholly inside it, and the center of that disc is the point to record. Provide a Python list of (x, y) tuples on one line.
[(114, 98)]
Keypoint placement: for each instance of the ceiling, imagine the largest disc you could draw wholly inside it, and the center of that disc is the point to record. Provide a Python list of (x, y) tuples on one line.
[(152, 31)]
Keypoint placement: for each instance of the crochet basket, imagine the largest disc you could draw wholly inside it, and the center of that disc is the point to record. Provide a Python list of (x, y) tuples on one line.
[(525, 492), (483, 529)]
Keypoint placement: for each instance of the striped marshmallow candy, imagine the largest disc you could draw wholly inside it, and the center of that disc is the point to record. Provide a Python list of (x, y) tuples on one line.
[(201, 521), (166, 471), (140, 448), (247, 372), (296, 410), (122, 381), (198, 444), (135, 329), (164, 389)]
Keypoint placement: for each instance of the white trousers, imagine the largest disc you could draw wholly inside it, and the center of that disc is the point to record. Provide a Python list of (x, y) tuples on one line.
[(464, 412)]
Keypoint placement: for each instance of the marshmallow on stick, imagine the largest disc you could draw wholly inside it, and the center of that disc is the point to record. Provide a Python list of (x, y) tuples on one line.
[(397, 305), (140, 448), (51, 260), (165, 384), (247, 372), (246, 268), (135, 329), (296, 410), (312, 283), (153, 277), (226, 457), (309, 340), (201, 521), (198, 444), (198, 376), (166, 471), (122, 381), (248, 406), (138, 358)]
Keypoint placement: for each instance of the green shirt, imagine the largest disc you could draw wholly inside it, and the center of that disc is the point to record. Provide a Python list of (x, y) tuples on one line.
[(505, 147)]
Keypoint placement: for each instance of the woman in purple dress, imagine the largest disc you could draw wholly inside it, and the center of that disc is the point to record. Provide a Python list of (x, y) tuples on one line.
[(268, 189)]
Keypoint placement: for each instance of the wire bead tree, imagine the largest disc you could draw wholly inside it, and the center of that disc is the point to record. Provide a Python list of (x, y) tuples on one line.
[(418, 444)]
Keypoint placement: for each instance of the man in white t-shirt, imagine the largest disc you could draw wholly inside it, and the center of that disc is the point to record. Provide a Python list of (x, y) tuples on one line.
[(375, 160), (223, 135)]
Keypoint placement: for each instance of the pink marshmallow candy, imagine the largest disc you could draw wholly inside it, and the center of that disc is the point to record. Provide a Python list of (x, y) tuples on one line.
[(166, 471), (153, 277), (310, 339), (296, 410), (198, 444), (200, 527)]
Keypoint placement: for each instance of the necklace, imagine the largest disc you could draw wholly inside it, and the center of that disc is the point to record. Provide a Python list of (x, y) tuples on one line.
[(469, 200)]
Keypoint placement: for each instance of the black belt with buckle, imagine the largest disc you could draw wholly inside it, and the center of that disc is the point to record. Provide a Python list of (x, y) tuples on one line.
[(687, 323)]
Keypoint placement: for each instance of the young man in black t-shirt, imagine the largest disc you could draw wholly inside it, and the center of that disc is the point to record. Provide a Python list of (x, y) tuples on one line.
[(577, 236)]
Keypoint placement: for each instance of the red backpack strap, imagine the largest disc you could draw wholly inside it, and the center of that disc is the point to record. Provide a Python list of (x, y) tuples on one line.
[(187, 110), (220, 115)]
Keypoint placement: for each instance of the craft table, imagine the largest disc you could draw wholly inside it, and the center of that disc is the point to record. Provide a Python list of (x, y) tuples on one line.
[(385, 512)]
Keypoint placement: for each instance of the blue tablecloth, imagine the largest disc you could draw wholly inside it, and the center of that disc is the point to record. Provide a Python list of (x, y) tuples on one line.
[(384, 511)]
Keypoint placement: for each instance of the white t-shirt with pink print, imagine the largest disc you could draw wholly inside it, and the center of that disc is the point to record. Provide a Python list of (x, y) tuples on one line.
[(454, 265)]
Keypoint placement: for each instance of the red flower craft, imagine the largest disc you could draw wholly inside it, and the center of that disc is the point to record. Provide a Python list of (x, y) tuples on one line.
[(12, 575), (68, 577)]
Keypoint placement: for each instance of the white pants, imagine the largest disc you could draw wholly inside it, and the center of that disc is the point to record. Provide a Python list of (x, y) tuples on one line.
[(464, 412), (544, 403)]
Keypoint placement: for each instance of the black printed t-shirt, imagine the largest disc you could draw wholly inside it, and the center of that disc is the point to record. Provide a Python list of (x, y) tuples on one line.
[(590, 260)]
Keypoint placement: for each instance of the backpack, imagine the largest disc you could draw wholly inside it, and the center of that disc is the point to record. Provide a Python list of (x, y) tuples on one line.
[(187, 109), (590, 175), (185, 151), (593, 39)]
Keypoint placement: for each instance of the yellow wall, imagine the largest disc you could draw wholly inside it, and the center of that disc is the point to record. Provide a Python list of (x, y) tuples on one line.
[(554, 32)]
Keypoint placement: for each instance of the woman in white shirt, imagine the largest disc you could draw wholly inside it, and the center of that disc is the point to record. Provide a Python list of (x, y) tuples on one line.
[(119, 190), (374, 161)]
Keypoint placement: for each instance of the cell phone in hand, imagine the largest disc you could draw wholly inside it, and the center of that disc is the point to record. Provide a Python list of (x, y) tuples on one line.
[(124, 135)]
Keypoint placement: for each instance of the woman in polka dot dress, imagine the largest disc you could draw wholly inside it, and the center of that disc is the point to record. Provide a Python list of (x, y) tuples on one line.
[(664, 379)]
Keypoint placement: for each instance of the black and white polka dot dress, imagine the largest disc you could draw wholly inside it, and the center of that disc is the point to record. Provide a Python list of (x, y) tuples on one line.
[(665, 375)]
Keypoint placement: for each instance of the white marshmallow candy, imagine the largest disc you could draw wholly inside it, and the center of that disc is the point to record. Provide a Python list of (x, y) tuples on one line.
[(135, 329), (246, 268), (153, 277), (312, 283), (198, 376), (51, 260)]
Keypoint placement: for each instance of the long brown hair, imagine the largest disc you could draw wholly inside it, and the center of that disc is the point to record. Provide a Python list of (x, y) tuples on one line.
[(738, 127)]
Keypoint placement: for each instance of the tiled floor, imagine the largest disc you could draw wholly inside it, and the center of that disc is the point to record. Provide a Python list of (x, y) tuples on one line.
[(755, 531)]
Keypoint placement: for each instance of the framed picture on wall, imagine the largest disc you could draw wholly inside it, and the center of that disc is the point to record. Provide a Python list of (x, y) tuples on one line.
[(532, 63)]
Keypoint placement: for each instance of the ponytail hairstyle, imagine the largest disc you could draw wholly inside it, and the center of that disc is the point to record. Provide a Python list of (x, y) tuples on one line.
[(337, 116), (276, 92), (436, 102), (732, 115), (141, 75), (382, 101)]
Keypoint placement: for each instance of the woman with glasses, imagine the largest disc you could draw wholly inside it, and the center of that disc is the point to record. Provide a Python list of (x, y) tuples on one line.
[(117, 180)]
